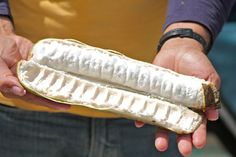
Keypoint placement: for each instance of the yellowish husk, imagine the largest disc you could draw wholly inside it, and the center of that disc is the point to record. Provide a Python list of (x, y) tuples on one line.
[(111, 111)]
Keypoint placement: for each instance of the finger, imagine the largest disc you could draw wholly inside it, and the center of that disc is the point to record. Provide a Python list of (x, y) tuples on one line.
[(9, 56), (212, 114), (184, 144), (8, 82), (162, 139), (4, 69), (139, 124), (14, 90), (215, 79), (199, 136)]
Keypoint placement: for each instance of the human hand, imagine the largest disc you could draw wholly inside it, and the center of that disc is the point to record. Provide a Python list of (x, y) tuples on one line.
[(14, 48), (185, 56)]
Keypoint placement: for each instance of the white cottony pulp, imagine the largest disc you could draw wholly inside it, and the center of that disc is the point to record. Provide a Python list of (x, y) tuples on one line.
[(78, 74), (117, 69), (67, 88)]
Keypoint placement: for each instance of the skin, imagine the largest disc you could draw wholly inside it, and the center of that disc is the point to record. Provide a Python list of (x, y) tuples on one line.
[(182, 55), (186, 56), (14, 48)]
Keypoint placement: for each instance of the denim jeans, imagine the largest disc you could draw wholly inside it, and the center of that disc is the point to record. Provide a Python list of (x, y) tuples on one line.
[(40, 134)]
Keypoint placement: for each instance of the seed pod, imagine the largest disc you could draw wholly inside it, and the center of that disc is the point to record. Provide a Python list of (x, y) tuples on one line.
[(75, 73)]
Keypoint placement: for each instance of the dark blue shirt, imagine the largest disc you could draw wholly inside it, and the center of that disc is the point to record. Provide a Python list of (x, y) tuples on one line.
[(4, 8), (210, 13)]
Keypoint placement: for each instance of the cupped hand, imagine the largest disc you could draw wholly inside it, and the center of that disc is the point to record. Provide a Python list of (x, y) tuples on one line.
[(185, 56), (14, 48)]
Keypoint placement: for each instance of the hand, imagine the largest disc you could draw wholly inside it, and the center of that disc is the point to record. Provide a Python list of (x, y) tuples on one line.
[(185, 56), (14, 48)]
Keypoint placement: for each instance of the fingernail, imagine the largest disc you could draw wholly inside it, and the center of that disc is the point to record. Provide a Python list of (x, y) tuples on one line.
[(213, 116), (161, 145), (139, 124), (18, 91)]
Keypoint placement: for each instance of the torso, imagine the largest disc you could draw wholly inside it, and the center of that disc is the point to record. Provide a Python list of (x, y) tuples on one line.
[(132, 27)]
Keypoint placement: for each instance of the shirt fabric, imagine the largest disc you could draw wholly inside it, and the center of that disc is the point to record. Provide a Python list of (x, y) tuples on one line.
[(130, 27), (232, 17), (4, 8), (211, 14)]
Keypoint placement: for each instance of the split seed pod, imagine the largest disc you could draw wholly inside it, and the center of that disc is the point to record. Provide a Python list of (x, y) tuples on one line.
[(68, 71)]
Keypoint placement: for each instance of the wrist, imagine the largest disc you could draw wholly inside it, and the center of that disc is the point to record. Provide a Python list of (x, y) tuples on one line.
[(6, 26), (201, 30), (182, 44), (187, 32)]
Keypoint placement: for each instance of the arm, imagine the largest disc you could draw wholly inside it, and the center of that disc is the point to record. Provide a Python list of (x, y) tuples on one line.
[(185, 56), (12, 49)]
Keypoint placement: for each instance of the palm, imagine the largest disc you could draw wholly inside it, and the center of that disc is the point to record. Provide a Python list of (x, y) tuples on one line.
[(188, 61), (193, 63)]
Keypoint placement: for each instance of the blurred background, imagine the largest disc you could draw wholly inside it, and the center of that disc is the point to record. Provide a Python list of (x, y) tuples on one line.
[(221, 140)]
